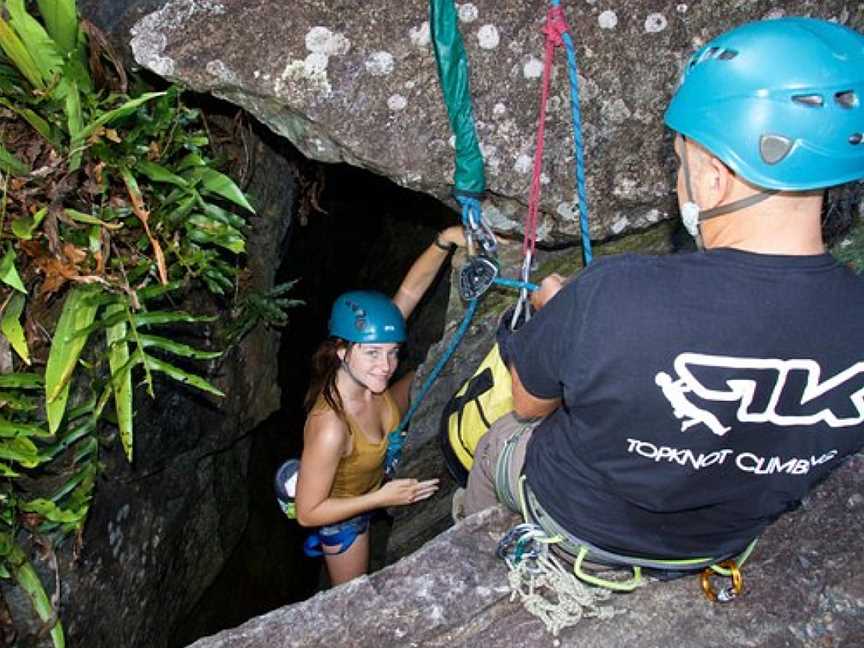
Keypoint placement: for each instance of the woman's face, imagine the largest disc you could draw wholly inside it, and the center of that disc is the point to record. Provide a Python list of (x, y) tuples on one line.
[(373, 364)]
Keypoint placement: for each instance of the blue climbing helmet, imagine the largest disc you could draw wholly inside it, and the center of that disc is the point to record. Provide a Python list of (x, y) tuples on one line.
[(779, 102), (366, 316)]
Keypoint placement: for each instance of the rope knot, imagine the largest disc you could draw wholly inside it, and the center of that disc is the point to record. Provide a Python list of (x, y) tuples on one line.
[(556, 26)]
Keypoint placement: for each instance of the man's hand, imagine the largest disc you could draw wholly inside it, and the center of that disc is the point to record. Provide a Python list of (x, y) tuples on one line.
[(549, 287)]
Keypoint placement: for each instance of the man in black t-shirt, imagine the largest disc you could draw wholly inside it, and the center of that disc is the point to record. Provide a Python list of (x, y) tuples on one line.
[(685, 402)]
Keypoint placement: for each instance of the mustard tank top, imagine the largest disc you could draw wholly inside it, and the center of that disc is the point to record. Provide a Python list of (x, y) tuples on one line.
[(362, 471)]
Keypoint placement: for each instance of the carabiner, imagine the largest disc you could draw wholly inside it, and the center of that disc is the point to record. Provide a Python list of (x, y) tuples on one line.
[(727, 594)]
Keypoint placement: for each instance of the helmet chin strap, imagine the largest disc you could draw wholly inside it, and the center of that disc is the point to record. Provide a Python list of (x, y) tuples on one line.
[(692, 216)]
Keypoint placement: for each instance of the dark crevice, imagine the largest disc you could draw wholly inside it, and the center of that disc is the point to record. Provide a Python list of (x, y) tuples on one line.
[(361, 231)]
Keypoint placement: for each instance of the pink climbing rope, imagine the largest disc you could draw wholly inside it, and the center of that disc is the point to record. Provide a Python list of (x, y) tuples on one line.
[(555, 28)]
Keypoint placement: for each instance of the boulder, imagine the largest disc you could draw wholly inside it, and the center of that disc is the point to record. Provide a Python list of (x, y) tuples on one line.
[(356, 82), (802, 588)]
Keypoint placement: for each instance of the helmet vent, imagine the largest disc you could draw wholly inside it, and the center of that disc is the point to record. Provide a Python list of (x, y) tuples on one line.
[(774, 148), (813, 100), (847, 98), (727, 55), (856, 138)]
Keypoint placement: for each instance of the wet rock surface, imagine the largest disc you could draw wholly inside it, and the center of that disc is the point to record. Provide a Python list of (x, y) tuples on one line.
[(356, 82), (802, 588)]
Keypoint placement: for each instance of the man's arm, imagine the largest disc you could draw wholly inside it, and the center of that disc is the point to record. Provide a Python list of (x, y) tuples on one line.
[(526, 404)]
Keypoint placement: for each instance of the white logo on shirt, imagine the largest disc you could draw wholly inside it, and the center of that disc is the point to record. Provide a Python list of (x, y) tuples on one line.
[(766, 391)]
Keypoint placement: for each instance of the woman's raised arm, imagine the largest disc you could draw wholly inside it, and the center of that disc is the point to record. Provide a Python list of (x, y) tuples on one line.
[(421, 274)]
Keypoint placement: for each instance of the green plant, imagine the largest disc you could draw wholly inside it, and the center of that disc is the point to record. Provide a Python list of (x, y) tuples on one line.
[(269, 307), (109, 204)]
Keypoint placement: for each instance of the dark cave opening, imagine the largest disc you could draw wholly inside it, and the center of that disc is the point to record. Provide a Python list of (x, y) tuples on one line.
[(363, 232)]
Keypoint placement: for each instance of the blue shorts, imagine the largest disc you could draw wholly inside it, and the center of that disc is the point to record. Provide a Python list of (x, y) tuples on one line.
[(342, 535)]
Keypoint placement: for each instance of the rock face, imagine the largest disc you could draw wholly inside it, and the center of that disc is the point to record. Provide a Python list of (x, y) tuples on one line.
[(356, 82), (160, 530), (801, 589)]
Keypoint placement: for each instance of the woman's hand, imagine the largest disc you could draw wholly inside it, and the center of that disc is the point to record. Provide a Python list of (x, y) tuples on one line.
[(406, 491), (549, 287), (454, 235)]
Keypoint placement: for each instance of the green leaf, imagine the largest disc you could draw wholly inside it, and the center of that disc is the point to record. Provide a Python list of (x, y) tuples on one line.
[(21, 450), (11, 429), (126, 109), (61, 20), (11, 327), (81, 217), (222, 215), (28, 581), (9, 274), (191, 160), (71, 437), (50, 511), (18, 402), (149, 318), (6, 471), (21, 381), (178, 374), (206, 230), (218, 183), (11, 164), (38, 123), (20, 56), (85, 474), (121, 381), (157, 290), (78, 314), (41, 47), (74, 122), (24, 227), (158, 173), (177, 348)]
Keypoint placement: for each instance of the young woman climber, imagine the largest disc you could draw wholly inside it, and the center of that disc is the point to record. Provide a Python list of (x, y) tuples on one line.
[(351, 407)]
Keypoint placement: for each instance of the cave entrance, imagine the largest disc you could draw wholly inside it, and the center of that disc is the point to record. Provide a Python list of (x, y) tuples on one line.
[(353, 230)]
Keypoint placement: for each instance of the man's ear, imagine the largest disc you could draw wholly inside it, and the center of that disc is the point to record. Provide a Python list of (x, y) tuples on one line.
[(340, 353), (717, 182)]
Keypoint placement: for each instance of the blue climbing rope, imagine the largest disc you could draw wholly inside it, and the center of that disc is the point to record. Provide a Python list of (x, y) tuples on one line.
[(578, 141), (469, 181), (396, 439)]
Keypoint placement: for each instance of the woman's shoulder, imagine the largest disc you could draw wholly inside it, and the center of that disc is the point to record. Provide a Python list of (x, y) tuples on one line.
[(324, 427)]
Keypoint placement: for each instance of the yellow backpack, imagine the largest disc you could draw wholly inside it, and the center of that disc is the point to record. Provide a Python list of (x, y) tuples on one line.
[(483, 399)]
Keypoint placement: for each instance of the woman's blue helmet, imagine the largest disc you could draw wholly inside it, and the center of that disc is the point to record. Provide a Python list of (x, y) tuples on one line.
[(366, 316), (779, 102)]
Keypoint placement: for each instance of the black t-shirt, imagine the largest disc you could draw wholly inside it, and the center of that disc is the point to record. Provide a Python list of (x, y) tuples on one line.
[(702, 396)]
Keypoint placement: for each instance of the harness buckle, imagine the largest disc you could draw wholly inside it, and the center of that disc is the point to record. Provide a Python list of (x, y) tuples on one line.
[(728, 568)]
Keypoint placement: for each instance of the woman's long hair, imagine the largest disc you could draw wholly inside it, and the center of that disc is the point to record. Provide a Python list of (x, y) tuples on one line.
[(325, 366)]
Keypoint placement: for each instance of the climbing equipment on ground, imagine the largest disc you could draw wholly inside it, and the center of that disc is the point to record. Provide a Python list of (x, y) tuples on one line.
[(366, 316)]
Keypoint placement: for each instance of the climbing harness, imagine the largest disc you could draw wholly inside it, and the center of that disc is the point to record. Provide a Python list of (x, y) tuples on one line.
[(285, 485), (340, 535), (532, 540)]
